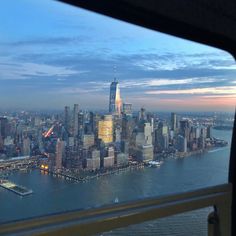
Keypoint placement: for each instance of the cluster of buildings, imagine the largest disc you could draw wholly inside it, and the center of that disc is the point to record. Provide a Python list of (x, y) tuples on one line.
[(80, 139), (15, 138)]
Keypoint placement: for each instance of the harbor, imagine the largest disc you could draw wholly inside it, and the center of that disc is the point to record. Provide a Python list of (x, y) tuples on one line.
[(20, 190)]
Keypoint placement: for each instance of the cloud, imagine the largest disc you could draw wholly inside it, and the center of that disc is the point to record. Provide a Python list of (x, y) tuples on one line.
[(24, 70), (146, 83), (155, 82), (50, 41), (182, 61), (75, 90), (221, 96), (216, 90)]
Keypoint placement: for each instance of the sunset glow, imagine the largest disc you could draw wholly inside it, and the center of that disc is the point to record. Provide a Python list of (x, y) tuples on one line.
[(55, 54)]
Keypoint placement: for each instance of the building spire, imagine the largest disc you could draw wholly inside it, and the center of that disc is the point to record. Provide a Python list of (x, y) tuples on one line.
[(114, 71)]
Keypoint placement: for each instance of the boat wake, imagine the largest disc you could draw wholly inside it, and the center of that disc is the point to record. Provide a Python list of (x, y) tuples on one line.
[(216, 150)]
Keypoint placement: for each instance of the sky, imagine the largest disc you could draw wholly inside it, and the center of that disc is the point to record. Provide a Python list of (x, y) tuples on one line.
[(53, 54)]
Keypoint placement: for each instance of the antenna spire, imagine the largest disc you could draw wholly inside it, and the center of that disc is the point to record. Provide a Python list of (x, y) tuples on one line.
[(114, 71)]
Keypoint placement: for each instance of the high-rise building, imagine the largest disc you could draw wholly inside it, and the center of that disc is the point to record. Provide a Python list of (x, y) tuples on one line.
[(105, 129), (181, 143), (1, 143), (67, 118), (127, 127), (115, 101), (59, 153), (109, 160), (185, 128), (93, 160), (209, 132), (143, 142), (117, 134), (173, 121), (75, 120), (3, 127), (92, 121), (26, 146), (161, 137), (88, 140), (81, 122), (127, 108), (142, 114)]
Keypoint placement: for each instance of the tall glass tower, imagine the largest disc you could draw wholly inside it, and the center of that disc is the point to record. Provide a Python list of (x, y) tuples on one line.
[(115, 101)]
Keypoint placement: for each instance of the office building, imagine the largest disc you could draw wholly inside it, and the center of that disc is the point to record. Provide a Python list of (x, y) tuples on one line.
[(185, 129), (75, 120), (161, 137), (88, 140), (127, 127), (143, 148), (209, 132), (26, 146), (173, 121), (3, 127), (93, 161), (81, 123), (181, 143), (127, 109), (60, 145), (67, 119), (115, 101), (142, 114), (105, 129)]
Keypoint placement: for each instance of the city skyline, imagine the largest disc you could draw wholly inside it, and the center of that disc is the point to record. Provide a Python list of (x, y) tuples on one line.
[(53, 54)]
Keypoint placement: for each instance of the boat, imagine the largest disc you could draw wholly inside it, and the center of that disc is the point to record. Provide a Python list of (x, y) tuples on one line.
[(155, 163), (116, 200)]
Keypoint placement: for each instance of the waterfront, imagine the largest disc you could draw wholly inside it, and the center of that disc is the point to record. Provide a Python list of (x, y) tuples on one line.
[(22, 191), (175, 175)]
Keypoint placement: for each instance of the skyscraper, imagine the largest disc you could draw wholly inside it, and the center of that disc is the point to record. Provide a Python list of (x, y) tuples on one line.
[(67, 118), (181, 143), (142, 114), (75, 120), (105, 129), (81, 122), (127, 127), (173, 121), (26, 146), (3, 127), (161, 137), (115, 101), (185, 128), (127, 108), (59, 153)]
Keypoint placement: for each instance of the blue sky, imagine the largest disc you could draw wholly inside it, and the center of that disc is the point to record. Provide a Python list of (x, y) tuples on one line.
[(53, 54)]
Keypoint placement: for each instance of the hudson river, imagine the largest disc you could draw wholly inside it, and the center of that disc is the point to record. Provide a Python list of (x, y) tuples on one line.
[(175, 175)]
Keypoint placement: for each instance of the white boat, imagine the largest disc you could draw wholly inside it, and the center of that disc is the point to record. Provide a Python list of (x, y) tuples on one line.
[(116, 200), (155, 163)]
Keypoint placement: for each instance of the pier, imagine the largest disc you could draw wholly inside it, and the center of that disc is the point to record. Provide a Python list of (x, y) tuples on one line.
[(79, 178), (20, 190)]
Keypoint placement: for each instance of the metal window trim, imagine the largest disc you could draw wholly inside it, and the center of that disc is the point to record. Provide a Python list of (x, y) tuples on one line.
[(97, 220)]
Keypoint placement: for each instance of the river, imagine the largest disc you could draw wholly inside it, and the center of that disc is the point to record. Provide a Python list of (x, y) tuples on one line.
[(175, 175)]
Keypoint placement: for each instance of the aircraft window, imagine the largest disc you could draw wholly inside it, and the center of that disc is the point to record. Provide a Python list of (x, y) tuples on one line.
[(95, 111)]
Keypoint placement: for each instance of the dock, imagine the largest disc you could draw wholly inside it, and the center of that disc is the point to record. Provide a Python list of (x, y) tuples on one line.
[(20, 190)]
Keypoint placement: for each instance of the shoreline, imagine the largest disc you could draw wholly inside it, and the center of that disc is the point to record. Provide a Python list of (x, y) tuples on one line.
[(86, 175), (77, 178)]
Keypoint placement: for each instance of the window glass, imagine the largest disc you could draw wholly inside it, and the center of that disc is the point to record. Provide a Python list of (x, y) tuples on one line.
[(180, 224), (95, 111)]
